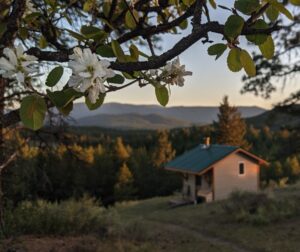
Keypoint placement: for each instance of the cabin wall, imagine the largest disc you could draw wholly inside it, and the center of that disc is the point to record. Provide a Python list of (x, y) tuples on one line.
[(227, 178), (189, 186)]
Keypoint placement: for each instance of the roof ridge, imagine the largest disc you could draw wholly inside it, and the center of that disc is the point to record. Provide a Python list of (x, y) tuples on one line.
[(199, 158)]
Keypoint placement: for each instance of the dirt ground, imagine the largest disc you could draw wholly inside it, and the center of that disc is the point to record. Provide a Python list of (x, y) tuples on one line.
[(52, 244)]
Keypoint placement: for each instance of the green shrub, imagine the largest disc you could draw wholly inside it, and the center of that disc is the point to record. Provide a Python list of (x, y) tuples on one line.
[(259, 208), (67, 217)]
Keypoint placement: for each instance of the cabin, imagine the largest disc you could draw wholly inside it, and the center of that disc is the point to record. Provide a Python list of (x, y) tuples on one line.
[(212, 172)]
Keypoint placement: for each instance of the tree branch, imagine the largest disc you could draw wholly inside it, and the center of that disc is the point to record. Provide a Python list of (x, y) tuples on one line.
[(155, 62), (115, 88), (13, 23), (152, 30), (8, 161), (197, 15)]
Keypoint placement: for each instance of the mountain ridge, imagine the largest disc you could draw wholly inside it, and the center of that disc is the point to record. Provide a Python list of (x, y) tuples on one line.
[(110, 114), (276, 119), (132, 121)]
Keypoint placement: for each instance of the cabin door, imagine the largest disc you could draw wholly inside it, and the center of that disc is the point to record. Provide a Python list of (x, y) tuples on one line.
[(204, 186)]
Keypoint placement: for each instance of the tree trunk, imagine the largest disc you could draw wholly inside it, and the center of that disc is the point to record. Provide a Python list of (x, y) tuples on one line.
[(2, 153)]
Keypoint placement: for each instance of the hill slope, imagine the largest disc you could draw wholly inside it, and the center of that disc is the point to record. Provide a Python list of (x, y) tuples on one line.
[(275, 119), (149, 116), (131, 121)]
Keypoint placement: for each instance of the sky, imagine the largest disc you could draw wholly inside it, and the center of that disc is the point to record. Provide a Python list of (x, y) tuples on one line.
[(211, 79)]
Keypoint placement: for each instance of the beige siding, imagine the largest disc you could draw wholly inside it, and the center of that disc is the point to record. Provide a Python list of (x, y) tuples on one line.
[(227, 178), (190, 182)]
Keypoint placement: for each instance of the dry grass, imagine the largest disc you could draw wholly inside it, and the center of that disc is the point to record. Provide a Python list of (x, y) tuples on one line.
[(150, 225)]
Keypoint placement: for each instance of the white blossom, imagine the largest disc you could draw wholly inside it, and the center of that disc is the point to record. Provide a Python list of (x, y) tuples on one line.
[(16, 64), (174, 73), (153, 72), (89, 73)]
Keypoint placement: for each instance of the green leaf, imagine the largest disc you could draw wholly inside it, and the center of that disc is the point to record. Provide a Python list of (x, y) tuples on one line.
[(272, 13), (128, 58), (89, 30), (134, 52), (184, 24), (76, 35), (217, 49), (106, 8), (162, 95), (233, 26), (247, 63), (110, 25), (2, 28), (32, 17), (43, 42), (92, 32), (54, 76), (65, 111), (247, 6), (144, 55), (295, 2), (105, 51), (260, 37), (131, 19), (62, 98), (128, 76), (213, 4), (188, 2), (268, 48), (23, 32), (117, 79), (233, 60), (88, 5), (51, 3), (32, 112), (93, 106), (118, 51), (280, 7)]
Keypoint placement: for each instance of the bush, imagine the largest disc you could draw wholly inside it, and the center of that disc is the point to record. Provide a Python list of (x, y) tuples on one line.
[(134, 231), (259, 208), (67, 217)]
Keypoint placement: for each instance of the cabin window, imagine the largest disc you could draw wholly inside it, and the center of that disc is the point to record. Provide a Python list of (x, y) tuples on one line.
[(241, 168), (198, 180)]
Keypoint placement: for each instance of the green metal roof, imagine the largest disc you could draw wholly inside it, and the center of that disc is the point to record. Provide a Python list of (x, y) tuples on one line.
[(199, 158)]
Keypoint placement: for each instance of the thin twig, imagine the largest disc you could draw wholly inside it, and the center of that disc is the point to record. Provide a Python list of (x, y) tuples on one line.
[(115, 88), (150, 45), (256, 15), (8, 161), (130, 10)]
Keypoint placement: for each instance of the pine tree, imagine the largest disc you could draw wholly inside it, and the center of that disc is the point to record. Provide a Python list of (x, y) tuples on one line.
[(163, 151), (121, 150), (230, 128), (292, 168), (124, 189)]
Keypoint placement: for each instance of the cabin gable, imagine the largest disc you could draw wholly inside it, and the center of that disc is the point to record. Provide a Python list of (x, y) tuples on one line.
[(235, 172)]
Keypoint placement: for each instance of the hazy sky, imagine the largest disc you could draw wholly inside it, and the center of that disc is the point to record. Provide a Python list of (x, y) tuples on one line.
[(211, 80)]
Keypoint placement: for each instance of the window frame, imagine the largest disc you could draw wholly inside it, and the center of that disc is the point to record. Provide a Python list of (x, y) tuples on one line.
[(243, 169)]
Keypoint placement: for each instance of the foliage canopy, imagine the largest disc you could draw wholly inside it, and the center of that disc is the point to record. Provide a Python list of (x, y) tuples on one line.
[(111, 44)]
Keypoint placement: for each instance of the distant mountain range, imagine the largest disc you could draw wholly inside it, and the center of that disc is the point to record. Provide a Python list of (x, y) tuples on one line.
[(132, 121), (277, 119), (128, 116)]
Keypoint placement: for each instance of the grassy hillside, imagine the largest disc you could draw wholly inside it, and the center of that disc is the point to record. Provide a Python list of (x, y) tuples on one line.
[(150, 225)]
